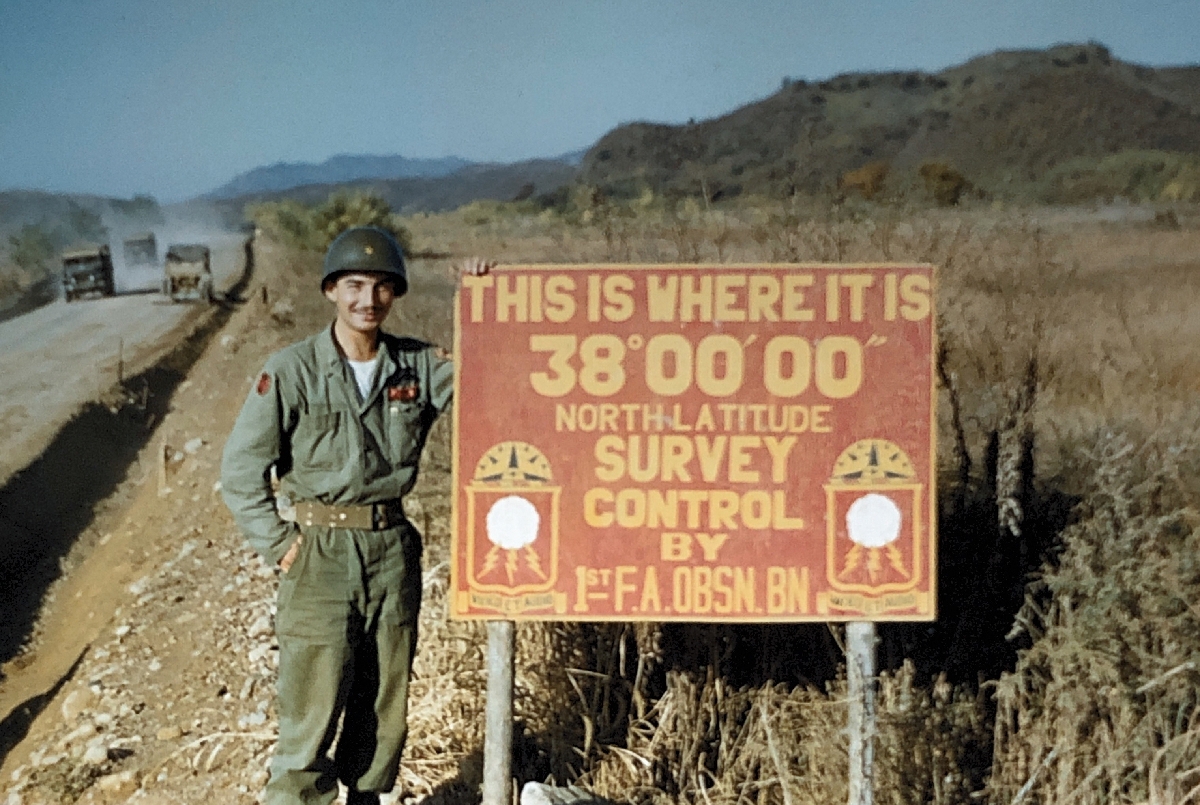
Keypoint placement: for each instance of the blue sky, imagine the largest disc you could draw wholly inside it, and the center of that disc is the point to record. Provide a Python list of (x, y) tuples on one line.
[(175, 97)]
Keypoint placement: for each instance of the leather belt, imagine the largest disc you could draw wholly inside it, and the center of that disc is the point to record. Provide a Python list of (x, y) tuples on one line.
[(369, 517)]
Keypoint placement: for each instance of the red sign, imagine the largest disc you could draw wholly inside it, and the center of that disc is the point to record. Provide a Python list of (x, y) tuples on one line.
[(701, 443)]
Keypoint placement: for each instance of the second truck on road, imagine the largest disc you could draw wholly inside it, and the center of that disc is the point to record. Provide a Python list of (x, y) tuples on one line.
[(188, 273)]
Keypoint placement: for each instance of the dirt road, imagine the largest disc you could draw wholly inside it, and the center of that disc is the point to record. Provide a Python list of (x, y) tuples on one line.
[(55, 359)]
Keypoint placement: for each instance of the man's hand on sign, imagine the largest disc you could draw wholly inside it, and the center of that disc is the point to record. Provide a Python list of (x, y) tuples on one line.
[(476, 267)]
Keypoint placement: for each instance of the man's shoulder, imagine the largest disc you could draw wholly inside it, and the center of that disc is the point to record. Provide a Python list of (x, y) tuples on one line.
[(301, 354)]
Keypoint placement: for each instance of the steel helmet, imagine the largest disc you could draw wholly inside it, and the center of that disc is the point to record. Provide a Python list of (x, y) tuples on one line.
[(365, 248)]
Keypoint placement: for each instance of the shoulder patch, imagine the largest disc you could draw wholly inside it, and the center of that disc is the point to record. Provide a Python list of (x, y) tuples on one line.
[(263, 385)]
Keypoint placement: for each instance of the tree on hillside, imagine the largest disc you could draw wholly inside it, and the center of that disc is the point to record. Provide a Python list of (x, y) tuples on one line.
[(341, 211), (946, 185), (867, 180), (315, 228)]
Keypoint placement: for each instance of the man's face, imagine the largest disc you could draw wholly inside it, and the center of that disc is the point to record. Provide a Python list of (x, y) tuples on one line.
[(363, 299)]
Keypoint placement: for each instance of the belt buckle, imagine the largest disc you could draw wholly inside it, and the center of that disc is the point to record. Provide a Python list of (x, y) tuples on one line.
[(378, 517)]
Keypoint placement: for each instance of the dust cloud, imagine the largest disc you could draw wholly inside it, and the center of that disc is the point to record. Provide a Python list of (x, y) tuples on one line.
[(187, 223)]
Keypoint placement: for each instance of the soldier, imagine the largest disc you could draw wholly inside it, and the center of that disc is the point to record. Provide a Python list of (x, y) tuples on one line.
[(341, 417)]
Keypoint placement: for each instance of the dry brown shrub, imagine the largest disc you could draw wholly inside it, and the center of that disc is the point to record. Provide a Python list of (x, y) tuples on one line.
[(866, 181), (1103, 706), (944, 184), (705, 742)]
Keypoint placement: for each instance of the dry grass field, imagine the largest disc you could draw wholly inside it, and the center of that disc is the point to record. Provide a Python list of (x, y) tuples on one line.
[(1061, 669)]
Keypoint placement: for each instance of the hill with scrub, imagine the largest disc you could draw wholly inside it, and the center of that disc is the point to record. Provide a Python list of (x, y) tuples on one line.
[(1068, 124)]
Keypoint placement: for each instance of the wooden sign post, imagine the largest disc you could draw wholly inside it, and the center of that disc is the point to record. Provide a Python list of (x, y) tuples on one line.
[(860, 679), (497, 744)]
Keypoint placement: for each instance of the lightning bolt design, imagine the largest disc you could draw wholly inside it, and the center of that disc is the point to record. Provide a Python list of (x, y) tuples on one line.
[(853, 557), (489, 561), (896, 560), (535, 564), (510, 565), (874, 563)]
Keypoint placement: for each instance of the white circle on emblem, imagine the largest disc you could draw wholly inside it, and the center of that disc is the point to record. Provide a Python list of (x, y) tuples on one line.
[(873, 521), (512, 523)]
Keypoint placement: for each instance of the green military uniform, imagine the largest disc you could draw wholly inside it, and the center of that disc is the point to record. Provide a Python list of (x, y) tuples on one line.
[(347, 607)]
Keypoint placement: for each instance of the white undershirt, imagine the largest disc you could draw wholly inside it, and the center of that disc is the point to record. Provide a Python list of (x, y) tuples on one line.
[(364, 375)]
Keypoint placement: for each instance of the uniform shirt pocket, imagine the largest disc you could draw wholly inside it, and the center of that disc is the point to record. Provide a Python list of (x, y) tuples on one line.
[(321, 441), (406, 431)]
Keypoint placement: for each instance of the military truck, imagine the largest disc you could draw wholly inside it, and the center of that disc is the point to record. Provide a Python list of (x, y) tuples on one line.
[(188, 273), (87, 269), (141, 250)]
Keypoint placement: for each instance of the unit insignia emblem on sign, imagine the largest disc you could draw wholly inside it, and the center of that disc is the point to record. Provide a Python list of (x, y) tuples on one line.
[(874, 529), (512, 529)]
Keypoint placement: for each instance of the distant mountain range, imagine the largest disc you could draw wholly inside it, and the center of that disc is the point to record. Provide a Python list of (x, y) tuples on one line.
[(335, 170), (351, 168), (498, 182)]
